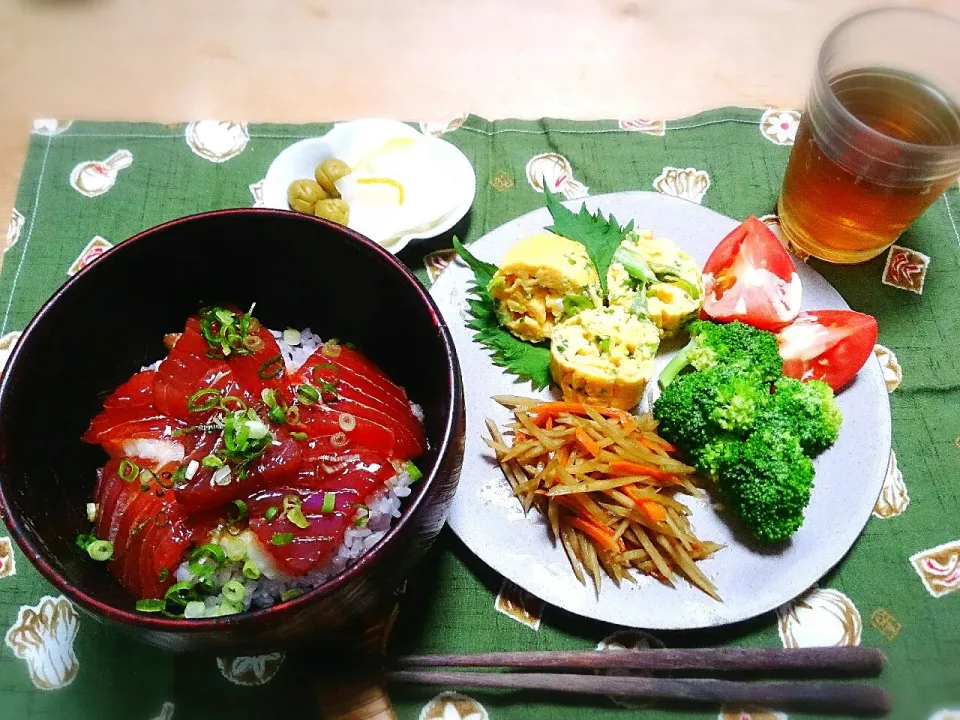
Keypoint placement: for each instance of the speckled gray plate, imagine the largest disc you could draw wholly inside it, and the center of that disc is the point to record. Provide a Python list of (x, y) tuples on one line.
[(750, 578)]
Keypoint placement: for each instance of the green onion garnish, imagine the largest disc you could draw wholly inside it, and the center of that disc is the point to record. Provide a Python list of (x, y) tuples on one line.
[(151, 605), (179, 593), (293, 415), (238, 511), (296, 435), (233, 591), (128, 471), (180, 475), (604, 345), (228, 608), (197, 404), (290, 502), (291, 336), (291, 594), (269, 397), (100, 550), (307, 394), (271, 368), (83, 541), (206, 558), (296, 516), (282, 538), (240, 404), (250, 571), (277, 414), (329, 502), (413, 471), (163, 575), (252, 343), (212, 461), (270, 514)]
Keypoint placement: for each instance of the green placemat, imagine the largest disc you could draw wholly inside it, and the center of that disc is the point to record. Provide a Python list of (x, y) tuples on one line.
[(86, 186)]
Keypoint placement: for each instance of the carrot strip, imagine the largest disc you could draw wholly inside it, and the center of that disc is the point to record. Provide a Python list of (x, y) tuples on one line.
[(588, 442), (602, 536), (653, 510), (625, 467), (552, 409)]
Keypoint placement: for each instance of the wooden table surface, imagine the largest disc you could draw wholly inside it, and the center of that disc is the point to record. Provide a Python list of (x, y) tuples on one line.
[(309, 60)]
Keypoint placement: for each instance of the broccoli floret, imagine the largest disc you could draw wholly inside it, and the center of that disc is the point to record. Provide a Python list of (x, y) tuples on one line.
[(808, 410), (715, 405), (767, 480), (734, 344)]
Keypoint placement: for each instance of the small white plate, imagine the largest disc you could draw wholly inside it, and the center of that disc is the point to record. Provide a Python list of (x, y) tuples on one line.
[(751, 578), (453, 194)]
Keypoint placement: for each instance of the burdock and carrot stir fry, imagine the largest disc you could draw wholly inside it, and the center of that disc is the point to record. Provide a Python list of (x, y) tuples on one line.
[(608, 486)]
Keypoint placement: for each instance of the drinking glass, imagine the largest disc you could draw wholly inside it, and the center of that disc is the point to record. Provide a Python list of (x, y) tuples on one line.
[(880, 138)]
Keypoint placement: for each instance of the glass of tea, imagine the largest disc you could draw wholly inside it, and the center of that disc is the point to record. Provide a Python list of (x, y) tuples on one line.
[(880, 138)]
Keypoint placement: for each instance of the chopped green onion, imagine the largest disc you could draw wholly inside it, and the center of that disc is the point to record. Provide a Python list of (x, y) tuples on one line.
[(194, 609), (296, 516), (83, 541), (361, 522), (228, 608), (233, 591), (635, 265), (241, 405), (151, 605), (291, 336), (331, 349), (339, 439), (200, 559), (197, 404), (241, 511), (250, 571), (128, 470), (347, 422), (257, 429), (282, 538), (212, 461), (165, 480), (91, 512), (290, 502), (271, 368), (163, 575), (269, 397), (277, 414), (296, 435), (291, 594), (293, 415), (604, 345), (252, 343), (307, 394), (191, 470), (100, 550), (270, 514), (413, 471), (329, 502), (180, 475)]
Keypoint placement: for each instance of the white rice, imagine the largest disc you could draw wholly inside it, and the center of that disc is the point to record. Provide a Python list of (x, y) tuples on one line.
[(381, 511)]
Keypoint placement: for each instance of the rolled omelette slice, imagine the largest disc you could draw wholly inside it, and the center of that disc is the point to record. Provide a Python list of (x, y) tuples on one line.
[(665, 285), (604, 355), (541, 280)]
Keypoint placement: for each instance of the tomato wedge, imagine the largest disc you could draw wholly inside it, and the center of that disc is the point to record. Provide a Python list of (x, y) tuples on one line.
[(828, 345), (750, 277)]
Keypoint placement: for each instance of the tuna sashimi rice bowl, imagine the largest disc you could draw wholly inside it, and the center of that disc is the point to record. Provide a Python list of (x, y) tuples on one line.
[(247, 466)]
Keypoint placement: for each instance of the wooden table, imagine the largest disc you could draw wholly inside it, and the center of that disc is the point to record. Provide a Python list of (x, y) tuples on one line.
[(304, 60)]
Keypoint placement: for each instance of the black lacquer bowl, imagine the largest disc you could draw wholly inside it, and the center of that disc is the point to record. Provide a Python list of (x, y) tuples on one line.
[(109, 320)]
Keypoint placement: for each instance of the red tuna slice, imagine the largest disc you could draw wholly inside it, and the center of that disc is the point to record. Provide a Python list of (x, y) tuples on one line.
[(328, 468), (264, 368), (185, 370), (162, 551), (353, 367), (280, 461), (136, 518), (300, 550), (110, 423), (153, 439), (135, 392), (348, 393), (321, 420)]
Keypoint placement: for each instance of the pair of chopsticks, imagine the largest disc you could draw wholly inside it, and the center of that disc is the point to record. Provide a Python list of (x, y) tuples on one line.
[(811, 695)]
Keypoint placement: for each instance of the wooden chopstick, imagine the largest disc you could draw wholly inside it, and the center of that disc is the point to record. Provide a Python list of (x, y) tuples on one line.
[(854, 660), (800, 695)]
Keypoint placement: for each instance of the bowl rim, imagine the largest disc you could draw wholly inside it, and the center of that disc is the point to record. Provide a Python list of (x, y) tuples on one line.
[(36, 554)]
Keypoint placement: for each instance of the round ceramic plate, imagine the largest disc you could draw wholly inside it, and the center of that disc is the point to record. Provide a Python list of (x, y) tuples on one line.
[(751, 579)]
